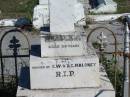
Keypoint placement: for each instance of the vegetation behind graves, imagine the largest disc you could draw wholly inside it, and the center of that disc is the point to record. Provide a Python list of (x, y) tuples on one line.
[(9, 88), (24, 8), (123, 6), (17, 8), (115, 75)]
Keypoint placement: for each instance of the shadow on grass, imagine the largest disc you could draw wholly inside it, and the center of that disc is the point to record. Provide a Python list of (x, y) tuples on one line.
[(7, 93)]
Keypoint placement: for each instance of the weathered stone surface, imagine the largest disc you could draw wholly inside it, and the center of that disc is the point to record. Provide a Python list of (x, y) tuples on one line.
[(62, 15), (43, 2), (62, 45), (69, 72), (105, 90), (41, 19)]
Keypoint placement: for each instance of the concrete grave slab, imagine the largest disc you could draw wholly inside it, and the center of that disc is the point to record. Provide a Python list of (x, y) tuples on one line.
[(65, 72), (105, 90)]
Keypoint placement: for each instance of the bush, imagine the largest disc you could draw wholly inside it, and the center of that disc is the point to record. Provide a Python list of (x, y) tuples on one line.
[(111, 71)]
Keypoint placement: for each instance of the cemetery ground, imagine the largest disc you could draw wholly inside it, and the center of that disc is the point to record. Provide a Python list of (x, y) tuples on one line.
[(123, 6), (18, 8)]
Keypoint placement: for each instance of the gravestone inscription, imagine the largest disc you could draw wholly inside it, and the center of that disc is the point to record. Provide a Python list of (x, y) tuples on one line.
[(69, 72), (62, 45)]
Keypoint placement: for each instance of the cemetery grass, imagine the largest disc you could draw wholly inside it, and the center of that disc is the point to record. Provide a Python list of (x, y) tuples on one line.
[(111, 71), (17, 8), (9, 89), (123, 6)]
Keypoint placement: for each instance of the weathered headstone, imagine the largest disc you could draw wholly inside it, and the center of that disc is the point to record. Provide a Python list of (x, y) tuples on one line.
[(41, 2), (41, 19), (66, 62), (64, 72), (62, 45), (61, 16)]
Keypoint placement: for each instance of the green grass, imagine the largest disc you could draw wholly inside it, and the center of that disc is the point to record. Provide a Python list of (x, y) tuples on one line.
[(24, 8), (17, 8), (123, 6)]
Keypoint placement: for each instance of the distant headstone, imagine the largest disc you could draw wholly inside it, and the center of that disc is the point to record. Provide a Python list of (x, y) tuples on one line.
[(43, 2), (40, 16)]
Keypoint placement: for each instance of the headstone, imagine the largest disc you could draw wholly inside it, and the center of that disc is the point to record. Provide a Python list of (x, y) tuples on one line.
[(41, 2), (41, 19), (64, 61), (62, 45), (79, 15), (67, 67), (61, 16), (64, 72)]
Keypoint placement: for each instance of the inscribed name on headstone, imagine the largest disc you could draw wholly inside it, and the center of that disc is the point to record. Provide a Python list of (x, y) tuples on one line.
[(73, 72), (62, 45), (62, 15)]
